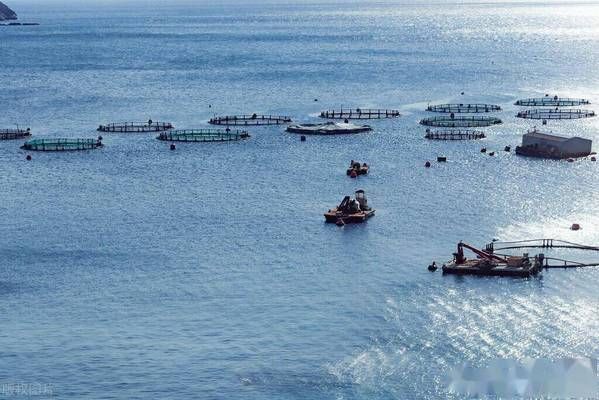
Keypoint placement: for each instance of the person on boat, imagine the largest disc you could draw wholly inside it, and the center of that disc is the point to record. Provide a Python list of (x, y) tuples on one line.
[(354, 206)]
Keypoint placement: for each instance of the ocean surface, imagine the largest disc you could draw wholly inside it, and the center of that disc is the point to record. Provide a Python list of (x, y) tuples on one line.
[(136, 272)]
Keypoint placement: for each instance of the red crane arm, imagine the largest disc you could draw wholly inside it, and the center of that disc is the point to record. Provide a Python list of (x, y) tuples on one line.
[(480, 253)]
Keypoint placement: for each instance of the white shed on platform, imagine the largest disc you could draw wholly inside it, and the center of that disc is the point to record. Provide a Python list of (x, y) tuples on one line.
[(539, 144)]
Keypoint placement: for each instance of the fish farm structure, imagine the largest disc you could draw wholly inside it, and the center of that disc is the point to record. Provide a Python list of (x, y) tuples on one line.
[(8, 134), (254, 119), (203, 135), (555, 113), (460, 122), (551, 102), (136, 127), (61, 144), (463, 108), (450, 134), (359, 113)]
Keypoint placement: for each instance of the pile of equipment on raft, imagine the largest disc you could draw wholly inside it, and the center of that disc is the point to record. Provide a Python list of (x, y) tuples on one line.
[(355, 169), (329, 128), (350, 210)]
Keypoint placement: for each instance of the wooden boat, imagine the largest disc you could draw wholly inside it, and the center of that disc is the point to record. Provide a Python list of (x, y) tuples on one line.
[(329, 128), (489, 264), (357, 168), (350, 210)]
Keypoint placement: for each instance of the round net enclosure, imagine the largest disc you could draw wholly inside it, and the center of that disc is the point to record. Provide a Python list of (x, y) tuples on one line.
[(451, 121), (555, 113), (454, 134), (549, 101), (9, 134), (61, 144), (135, 127), (359, 113), (203, 135), (253, 119), (463, 108)]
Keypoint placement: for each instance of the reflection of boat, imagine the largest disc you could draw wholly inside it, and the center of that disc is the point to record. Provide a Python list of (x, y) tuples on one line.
[(350, 210), (329, 128), (490, 264), (357, 169)]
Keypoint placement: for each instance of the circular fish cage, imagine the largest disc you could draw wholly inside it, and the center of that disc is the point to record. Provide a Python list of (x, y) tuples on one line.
[(136, 127), (450, 134), (551, 102), (328, 128), (9, 134), (463, 108), (203, 135), (359, 113), (460, 122), (555, 113), (61, 144), (254, 119)]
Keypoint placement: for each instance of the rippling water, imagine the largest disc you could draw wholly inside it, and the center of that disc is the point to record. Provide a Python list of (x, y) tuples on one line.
[(207, 272)]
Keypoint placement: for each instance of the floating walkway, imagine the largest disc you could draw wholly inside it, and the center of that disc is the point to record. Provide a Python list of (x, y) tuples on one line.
[(551, 102), (253, 119), (460, 122), (61, 144), (359, 113), (203, 135), (463, 108), (9, 134), (136, 127), (555, 113), (450, 134)]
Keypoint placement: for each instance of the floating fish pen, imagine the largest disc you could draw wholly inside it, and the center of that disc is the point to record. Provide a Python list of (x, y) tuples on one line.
[(555, 113), (450, 134), (8, 134), (329, 128), (136, 127), (203, 135), (61, 144), (359, 113), (460, 122), (253, 119), (463, 108), (552, 102)]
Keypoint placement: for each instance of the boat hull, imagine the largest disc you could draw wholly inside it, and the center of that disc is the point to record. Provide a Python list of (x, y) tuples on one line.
[(333, 216), (498, 270)]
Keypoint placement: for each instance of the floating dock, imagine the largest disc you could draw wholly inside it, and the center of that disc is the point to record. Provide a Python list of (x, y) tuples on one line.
[(136, 127), (9, 134), (359, 113), (551, 102), (451, 121), (61, 144), (254, 119), (555, 113), (463, 108), (451, 134), (203, 135)]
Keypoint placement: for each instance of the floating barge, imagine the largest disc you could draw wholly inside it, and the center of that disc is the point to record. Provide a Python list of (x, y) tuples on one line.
[(61, 144), (451, 121), (551, 102), (136, 127), (9, 134), (545, 145), (253, 119), (555, 113), (359, 113), (489, 264), (350, 210), (329, 128), (203, 135), (451, 134), (463, 108), (355, 168)]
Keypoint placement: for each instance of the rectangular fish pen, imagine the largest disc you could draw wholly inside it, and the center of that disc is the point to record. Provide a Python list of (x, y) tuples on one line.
[(555, 113), (253, 119), (61, 144), (136, 127), (463, 108), (9, 134), (359, 113), (551, 102), (203, 135)]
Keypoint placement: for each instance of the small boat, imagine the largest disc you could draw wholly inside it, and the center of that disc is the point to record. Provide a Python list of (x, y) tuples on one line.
[(357, 168), (350, 210), (328, 128), (489, 264)]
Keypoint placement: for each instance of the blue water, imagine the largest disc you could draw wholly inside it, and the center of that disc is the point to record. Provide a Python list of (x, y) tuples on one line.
[(135, 272)]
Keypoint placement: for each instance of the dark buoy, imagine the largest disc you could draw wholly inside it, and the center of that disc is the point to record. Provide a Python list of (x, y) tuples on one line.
[(432, 267), (315, 99), (544, 122), (462, 93), (507, 148), (173, 147), (575, 227), (28, 158), (100, 138), (303, 138), (492, 153), (346, 121), (427, 164), (593, 158), (570, 160), (441, 159), (209, 105), (483, 150)]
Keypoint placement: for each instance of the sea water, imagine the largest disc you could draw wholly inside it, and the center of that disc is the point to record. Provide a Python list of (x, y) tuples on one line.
[(136, 272)]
